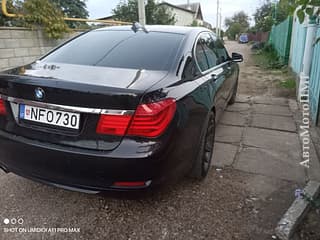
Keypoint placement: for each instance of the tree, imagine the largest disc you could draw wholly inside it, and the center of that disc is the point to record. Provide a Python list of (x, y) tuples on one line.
[(305, 8), (269, 14), (283, 10), (36, 13), (156, 13), (72, 9), (45, 14), (240, 17), (234, 30), (263, 18), (237, 24), (12, 8)]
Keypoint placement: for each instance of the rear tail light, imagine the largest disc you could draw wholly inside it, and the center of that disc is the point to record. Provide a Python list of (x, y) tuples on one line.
[(113, 124), (149, 120), (2, 107)]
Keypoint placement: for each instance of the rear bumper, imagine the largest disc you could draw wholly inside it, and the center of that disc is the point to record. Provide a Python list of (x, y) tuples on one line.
[(77, 169)]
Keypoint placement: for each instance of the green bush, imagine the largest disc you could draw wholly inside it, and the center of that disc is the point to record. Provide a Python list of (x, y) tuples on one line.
[(36, 13), (268, 58), (43, 13)]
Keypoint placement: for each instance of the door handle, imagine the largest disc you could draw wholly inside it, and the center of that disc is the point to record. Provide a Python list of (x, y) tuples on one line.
[(214, 77), (229, 68)]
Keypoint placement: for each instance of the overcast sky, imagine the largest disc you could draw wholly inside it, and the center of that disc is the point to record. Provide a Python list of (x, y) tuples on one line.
[(102, 8)]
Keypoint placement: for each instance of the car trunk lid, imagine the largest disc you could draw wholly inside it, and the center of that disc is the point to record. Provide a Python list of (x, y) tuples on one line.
[(86, 90)]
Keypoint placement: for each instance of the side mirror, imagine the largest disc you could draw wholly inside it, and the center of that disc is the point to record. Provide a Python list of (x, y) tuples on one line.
[(236, 57)]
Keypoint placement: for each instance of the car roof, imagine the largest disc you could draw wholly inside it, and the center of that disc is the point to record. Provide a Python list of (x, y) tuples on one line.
[(159, 28)]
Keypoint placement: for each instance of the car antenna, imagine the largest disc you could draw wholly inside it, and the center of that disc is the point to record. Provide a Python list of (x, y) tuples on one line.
[(137, 26)]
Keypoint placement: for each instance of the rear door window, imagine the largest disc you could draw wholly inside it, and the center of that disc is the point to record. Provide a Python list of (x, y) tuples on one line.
[(221, 51), (206, 55), (201, 57)]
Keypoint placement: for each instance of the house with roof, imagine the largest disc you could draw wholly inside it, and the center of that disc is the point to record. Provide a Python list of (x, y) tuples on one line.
[(187, 14)]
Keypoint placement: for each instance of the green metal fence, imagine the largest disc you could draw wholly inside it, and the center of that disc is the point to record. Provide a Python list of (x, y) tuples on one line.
[(314, 84), (298, 43), (280, 39)]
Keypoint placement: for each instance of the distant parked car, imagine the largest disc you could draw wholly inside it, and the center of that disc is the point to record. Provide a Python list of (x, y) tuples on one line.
[(117, 108), (244, 38)]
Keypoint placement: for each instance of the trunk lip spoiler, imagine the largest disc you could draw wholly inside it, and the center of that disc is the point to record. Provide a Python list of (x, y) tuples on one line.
[(67, 108)]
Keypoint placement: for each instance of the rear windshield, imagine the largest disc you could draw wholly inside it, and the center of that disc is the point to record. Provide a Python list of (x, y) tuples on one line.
[(120, 49)]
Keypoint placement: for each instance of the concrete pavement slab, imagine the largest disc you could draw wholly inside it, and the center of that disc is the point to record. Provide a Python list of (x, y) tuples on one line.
[(284, 142), (270, 163), (234, 118), (272, 109), (238, 107), (274, 122), (243, 98), (270, 186), (270, 100), (223, 154), (228, 134)]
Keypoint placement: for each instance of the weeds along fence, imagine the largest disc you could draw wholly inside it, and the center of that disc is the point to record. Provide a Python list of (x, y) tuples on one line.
[(280, 39)]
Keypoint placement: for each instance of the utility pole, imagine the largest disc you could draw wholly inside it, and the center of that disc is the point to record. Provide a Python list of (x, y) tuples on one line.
[(220, 25), (142, 12), (217, 23)]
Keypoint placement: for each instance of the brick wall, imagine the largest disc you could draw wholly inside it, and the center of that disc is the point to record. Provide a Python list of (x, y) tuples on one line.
[(20, 46)]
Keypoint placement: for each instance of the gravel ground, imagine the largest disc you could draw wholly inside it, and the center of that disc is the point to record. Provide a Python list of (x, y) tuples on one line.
[(217, 208)]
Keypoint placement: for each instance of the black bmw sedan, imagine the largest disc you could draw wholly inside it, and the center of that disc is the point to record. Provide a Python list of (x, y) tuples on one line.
[(118, 108)]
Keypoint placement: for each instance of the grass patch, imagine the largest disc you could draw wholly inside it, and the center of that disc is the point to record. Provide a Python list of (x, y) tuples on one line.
[(268, 58), (288, 84)]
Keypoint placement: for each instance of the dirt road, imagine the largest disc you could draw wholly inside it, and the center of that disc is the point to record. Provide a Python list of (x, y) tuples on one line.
[(255, 81)]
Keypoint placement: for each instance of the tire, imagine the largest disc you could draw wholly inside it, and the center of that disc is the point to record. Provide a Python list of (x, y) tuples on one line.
[(234, 95), (202, 163)]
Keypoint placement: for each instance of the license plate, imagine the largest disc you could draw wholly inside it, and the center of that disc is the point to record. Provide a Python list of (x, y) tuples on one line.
[(50, 117)]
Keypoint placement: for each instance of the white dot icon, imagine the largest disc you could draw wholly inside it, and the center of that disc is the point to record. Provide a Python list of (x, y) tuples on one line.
[(6, 221), (20, 221), (13, 221)]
